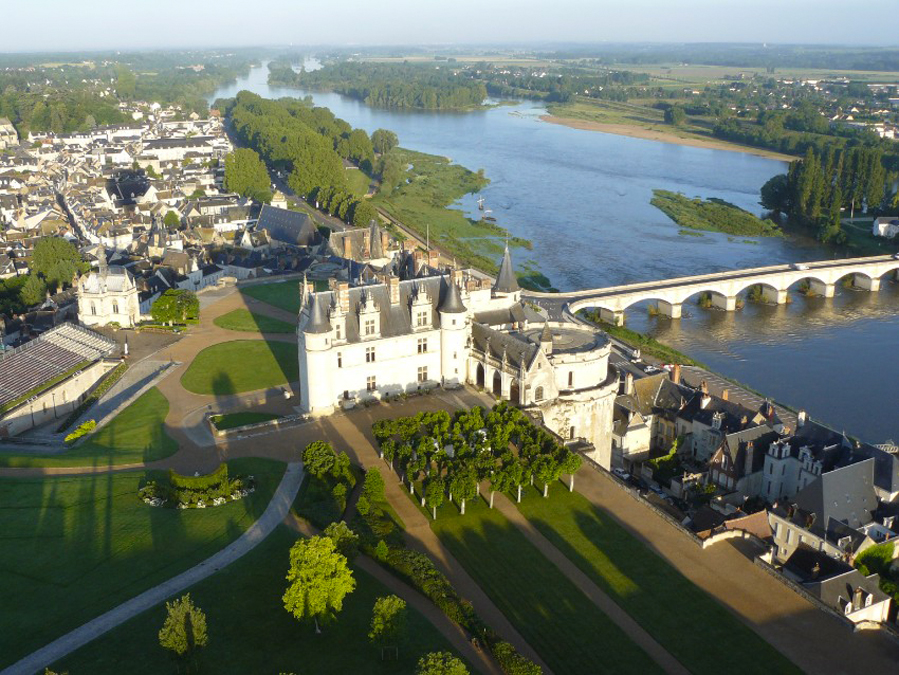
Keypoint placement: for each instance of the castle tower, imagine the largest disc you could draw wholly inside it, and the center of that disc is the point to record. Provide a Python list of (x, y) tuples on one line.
[(453, 335), (316, 369), (506, 284)]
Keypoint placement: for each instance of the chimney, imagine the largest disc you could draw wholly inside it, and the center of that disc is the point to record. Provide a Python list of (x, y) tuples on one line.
[(433, 258), (409, 245), (628, 383), (675, 373), (816, 570), (343, 296), (801, 419), (419, 258), (347, 248), (858, 598), (458, 278), (366, 243), (385, 242), (704, 387), (725, 394), (393, 286)]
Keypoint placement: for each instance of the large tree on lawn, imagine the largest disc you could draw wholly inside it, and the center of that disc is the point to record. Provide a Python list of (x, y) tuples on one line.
[(319, 580)]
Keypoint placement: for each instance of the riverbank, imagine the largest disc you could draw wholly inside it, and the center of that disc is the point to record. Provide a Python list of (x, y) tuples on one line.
[(712, 215), (652, 133)]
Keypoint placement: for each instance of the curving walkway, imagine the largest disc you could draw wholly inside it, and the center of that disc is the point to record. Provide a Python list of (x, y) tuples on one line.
[(273, 515)]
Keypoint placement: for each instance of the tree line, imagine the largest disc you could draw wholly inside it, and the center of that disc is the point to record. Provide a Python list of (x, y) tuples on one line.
[(54, 265), (817, 188), (309, 143), (387, 85)]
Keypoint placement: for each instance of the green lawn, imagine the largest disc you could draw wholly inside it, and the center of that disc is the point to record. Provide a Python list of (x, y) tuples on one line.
[(74, 547), (358, 181), (552, 614), (242, 365), (136, 434), (244, 320), (232, 420), (250, 632), (698, 631), (283, 294)]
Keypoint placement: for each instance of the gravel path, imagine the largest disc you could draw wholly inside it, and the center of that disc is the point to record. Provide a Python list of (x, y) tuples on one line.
[(272, 517)]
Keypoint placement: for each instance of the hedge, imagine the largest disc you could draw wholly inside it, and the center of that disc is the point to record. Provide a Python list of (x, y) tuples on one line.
[(111, 378), (210, 480)]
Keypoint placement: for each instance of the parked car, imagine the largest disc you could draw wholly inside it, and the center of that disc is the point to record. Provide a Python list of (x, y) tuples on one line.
[(896, 256), (799, 266), (621, 473)]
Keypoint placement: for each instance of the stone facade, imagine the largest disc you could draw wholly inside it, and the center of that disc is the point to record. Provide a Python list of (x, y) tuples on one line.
[(109, 295)]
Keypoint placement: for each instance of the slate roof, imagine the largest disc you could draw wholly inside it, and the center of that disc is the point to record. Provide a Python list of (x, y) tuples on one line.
[(291, 227), (810, 564), (838, 591), (519, 352), (845, 494), (452, 300), (505, 280)]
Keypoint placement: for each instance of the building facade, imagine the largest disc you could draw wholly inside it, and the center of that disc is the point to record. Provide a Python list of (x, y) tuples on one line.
[(109, 295), (383, 339)]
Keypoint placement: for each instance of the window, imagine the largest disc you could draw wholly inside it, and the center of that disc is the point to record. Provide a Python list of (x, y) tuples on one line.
[(422, 373), (370, 384), (93, 309), (337, 332), (115, 307), (571, 434), (421, 319), (369, 354), (339, 360), (571, 379), (790, 536), (538, 394), (422, 345), (369, 326)]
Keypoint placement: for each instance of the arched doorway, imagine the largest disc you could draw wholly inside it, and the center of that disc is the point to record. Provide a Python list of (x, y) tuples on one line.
[(497, 384), (479, 377), (515, 392)]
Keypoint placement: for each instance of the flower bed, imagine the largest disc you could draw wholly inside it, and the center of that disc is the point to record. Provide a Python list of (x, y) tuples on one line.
[(197, 492)]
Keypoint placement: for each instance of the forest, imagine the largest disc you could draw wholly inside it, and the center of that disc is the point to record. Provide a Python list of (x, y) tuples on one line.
[(387, 85)]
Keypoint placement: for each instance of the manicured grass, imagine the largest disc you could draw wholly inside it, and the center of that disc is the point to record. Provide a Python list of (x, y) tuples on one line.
[(74, 547), (244, 320), (552, 614), (357, 181), (137, 434), (232, 420), (690, 624), (283, 294), (242, 365), (250, 632)]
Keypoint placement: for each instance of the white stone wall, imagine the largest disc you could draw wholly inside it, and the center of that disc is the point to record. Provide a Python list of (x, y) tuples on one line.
[(98, 309)]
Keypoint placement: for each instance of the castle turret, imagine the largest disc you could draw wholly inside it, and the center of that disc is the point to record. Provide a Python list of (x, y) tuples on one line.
[(506, 283), (453, 334), (316, 367)]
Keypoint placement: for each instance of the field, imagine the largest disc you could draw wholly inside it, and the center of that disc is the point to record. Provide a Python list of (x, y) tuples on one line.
[(74, 547), (357, 182), (232, 420), (656, 595), (283, 294), (242, 365), (435, 183), (712, 215), (568, 631), (245, 321), (250, 632), (137, 434)]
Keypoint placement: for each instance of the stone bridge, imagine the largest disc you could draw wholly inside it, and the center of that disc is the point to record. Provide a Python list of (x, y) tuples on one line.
[(724, 287)]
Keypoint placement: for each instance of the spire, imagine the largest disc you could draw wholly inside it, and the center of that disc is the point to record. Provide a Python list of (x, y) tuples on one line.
[(452, 301), (505, 280), (101, 259), (318, 317)]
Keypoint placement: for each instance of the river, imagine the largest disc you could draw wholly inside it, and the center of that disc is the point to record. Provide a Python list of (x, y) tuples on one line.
[(582, 197)]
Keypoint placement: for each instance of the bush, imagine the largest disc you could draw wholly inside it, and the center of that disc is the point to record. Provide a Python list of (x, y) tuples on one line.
[(363, 506), (512, 662), (373, 487), (210, 480), (82, 430), (381, 551), (111, 378)]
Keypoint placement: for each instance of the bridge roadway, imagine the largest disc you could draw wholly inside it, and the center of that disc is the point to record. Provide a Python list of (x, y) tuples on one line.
[(670, 294)]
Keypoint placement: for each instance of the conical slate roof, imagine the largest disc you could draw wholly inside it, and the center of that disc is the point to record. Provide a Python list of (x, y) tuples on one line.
[(452, 301), (547, 334), (505, 280), (318, 317)]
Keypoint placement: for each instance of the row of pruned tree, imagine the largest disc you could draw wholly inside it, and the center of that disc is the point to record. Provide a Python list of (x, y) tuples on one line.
[(454, 455)]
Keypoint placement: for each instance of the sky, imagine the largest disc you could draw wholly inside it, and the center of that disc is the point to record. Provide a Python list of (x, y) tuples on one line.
[(64, 25)]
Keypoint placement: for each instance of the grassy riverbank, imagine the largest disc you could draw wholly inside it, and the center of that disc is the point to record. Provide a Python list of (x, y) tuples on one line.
[(648, 346), (712, 215), (422, 204)]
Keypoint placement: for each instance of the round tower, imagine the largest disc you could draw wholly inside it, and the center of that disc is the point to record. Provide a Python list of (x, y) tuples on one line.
[(453, 334), (315, 338)]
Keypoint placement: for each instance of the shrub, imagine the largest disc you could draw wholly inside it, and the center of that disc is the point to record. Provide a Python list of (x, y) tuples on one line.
[(363, 506), (111, 378), (373, 487), (82, 430), (381, 551), (210, 480), (512, 662)]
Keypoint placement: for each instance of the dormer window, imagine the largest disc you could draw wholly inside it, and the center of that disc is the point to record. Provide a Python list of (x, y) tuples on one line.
[(337, 332), (421, 319), (369, 326)]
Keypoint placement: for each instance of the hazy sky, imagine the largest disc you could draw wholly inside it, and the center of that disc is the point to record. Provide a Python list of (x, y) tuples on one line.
[(57, 25)]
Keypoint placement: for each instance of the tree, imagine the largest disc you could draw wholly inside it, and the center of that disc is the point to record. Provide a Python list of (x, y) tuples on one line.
[(570, 463), (381, 550), (464, 486), (175, 306), (184, 629), (546, 469), (434, 494), (383, 141), (775, 194), (34, 291), (320, 579), (171, 219), (388, 623), (373, 486), (364, 213), (56, 261), (126, 82), (675, 115), (345, 540), (319, 458), (246, 174), (440, 663)]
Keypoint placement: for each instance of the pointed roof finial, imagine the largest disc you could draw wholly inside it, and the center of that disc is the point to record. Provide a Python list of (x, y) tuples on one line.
[(505, 280), (452, 301)]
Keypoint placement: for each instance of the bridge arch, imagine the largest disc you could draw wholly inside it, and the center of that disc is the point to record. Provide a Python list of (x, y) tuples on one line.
[(769, 293)]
